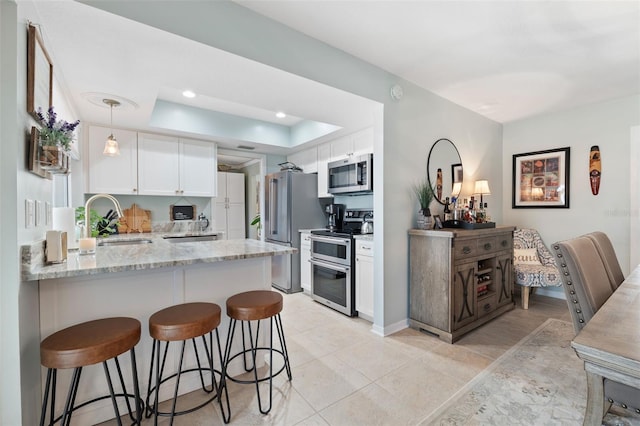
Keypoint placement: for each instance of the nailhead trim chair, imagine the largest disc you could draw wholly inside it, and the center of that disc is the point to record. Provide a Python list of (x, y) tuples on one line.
[(586, 283), (543, 275)]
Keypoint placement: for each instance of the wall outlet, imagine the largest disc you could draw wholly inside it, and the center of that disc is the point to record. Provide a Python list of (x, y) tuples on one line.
[(29, 218)]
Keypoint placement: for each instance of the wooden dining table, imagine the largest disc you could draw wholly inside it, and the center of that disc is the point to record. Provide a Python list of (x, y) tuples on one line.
[(609, 345)]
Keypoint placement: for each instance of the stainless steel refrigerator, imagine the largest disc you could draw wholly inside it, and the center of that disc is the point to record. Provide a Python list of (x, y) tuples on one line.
[(291, 201)]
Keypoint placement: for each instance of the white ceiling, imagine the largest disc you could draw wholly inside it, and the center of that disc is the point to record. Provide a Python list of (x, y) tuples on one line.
[(506, 60)]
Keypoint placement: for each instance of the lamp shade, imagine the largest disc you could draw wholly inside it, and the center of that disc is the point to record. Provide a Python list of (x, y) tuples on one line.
[(482, 187), (111, 147)]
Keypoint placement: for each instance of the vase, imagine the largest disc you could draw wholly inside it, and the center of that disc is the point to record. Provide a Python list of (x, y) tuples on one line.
[(53, 159), (423, 221)]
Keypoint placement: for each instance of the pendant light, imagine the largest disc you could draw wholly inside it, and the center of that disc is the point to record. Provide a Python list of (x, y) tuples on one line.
[(111, 148)]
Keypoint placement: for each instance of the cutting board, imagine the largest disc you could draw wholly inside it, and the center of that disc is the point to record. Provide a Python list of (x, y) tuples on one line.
[(136, 219)]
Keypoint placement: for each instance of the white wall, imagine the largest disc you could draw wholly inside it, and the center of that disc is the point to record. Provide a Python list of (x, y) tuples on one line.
[(606, 124), (409, 126)]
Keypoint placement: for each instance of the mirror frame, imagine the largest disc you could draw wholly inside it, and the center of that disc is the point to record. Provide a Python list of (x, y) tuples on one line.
[(456, 167)]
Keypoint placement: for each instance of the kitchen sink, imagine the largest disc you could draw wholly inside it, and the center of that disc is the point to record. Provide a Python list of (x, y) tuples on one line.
[(124, 242), (190, 238)]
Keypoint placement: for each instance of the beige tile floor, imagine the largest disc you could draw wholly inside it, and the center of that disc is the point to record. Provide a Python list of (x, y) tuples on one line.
[(343, 374)]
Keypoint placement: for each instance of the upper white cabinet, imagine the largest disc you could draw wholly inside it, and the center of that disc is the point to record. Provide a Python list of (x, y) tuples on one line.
[(171, 166), (112, 175), (307, 160), (352, 145), (229, 211), (198, 168)]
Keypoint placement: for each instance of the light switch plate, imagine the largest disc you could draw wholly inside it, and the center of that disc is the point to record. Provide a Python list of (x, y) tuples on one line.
[(48, 213), (29, 218), (39, 216)]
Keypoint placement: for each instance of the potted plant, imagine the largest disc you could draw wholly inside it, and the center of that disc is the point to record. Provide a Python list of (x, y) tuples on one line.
[(56, 137), (425, 194)]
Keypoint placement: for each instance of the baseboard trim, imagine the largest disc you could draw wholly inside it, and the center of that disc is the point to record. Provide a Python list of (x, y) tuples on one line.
[(390, 329)]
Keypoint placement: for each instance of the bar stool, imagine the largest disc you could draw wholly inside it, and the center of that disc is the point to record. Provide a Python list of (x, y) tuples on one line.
[(256, 306), (85, 344), (182, 323)]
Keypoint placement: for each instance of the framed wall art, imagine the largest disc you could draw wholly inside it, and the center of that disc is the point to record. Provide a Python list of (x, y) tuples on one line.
[(541, 179), (39, 73)]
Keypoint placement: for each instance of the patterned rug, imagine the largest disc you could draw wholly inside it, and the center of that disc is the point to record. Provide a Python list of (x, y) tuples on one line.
[(540, 381)]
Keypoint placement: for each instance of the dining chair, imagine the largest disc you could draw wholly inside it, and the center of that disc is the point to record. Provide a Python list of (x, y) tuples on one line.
[(608, 254), (587, 286)]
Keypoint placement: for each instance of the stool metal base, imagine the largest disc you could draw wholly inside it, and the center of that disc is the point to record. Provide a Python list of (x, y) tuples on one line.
[(70, 407), (214, 387), (253, 351)]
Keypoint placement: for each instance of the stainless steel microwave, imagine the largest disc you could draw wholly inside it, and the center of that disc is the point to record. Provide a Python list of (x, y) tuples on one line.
[(351, 175)]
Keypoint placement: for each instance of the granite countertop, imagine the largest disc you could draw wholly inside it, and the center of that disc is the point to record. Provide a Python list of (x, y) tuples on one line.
[(364, 237), (131, 257)]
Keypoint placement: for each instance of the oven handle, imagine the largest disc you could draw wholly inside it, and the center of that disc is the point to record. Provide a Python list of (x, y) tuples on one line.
[(328, 265), (330, 240)]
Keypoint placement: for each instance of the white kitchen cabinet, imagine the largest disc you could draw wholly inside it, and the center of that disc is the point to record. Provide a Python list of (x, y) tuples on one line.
[(307, 160), (305, 257), (364, 278), (170, 166), (355, 144), (324, 156), (229, 210), (112, 175)]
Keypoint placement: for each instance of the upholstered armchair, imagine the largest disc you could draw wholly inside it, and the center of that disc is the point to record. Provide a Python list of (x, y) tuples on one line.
[(533, 263)]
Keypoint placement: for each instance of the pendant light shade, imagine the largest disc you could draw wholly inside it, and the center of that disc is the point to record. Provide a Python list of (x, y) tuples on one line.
[(111, 147)]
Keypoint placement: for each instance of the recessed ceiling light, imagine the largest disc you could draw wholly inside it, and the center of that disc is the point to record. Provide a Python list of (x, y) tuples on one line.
[(281, 114), (188, 94)]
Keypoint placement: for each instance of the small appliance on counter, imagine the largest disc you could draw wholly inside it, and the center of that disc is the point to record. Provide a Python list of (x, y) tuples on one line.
[(56, 246), (335, 216), (333, 277)]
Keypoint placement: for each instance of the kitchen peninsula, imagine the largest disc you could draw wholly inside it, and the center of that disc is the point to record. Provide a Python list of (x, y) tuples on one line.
[(136, 280)]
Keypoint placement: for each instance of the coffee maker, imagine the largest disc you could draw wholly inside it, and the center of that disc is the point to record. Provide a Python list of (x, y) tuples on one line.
[(335, 216)]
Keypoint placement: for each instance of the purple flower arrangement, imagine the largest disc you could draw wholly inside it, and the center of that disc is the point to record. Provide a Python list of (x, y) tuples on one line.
[(55, 132)]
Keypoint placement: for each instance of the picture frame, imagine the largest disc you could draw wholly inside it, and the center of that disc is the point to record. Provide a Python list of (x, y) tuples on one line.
[(437, 222), (33, 165), (541, 179), (39, 73)]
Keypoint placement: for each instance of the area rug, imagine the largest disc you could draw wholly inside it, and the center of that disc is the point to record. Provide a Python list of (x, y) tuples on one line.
[(540, 381)]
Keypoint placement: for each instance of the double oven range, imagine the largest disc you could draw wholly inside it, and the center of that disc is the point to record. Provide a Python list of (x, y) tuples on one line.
[(333, 263)]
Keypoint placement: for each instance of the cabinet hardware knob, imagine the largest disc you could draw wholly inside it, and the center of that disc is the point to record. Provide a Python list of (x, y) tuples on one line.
[(466, 250), (487, 246), (135, 189)]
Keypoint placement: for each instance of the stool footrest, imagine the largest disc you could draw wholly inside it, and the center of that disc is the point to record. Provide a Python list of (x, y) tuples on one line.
[(253, 380)]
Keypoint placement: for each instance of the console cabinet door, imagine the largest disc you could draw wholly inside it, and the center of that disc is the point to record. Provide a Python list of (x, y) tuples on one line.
[(504, 279), (464, 294)]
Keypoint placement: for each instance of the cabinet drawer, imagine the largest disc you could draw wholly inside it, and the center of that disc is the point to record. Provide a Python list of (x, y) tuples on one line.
[(364, 248), (487, 245), (465, 248), (487, 304), (504, 242)]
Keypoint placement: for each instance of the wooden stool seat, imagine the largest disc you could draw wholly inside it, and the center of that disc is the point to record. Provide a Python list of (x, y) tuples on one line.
[(254, 305), (184, 322), (89, 343), (181, 323)]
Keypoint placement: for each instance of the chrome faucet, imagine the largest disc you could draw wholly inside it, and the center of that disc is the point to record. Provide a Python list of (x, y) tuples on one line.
[(87, 225)]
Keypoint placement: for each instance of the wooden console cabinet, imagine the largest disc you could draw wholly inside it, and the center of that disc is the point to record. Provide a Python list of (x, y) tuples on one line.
[(459, 279)]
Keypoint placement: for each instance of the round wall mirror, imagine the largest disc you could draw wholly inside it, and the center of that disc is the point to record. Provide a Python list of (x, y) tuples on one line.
[(444, 170)]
